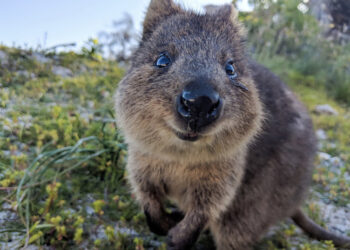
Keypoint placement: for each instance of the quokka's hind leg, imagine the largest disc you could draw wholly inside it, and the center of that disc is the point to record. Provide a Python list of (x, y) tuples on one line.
[(231, 238), (238, 230)]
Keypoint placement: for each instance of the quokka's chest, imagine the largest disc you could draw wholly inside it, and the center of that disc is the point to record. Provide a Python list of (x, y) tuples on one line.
[(176, 183)]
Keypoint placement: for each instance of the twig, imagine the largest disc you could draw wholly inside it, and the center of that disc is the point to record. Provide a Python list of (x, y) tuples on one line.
[(60, 45)]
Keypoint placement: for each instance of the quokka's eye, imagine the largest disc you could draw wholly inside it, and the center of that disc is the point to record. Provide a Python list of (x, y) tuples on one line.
[(230, 70), (232, 73), (162, 61)]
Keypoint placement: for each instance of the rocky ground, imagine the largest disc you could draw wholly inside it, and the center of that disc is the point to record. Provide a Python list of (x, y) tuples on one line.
[(62, 177)]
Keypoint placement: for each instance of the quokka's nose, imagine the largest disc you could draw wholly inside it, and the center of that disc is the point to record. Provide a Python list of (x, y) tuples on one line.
[(199, 104)]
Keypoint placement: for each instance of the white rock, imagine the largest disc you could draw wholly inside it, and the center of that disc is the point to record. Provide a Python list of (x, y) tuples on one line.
[(106, 94), (7, 216), (89, 210), (6, 205), (3, 57), (91, 104), (125, 230), (336, 162), (333, 163), (25, 73), (62, 71), (40, 58), (321, 134), (338, 218), (325, 109), (324, 156), (99, 233), (83, 69), (7, 128)]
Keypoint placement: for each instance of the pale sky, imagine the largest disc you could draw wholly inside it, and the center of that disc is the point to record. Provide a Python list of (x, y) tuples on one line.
[(25, 22)]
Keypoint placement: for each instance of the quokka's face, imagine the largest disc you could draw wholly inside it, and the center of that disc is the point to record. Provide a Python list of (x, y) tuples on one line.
[(188, 89)]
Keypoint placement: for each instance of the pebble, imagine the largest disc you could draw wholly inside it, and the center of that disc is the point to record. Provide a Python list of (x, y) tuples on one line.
[(324, 156), (3, 57), (40, 58), (62, 71), (321, 134), (325, 109)]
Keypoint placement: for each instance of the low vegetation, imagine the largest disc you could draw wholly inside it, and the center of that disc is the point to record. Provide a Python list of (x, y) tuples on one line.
[(62, 158)]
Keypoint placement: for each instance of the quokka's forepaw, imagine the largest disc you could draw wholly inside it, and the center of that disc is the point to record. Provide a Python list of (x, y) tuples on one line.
[(164, 222), (176, 216), (172, 244), (180, 239), (156, 225)]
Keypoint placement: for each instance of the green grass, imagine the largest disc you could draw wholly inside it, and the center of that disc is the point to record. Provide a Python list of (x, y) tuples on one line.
[(62, 158)]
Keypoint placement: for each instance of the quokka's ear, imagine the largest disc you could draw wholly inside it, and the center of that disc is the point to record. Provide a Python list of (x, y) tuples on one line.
[(158, 10), (227, 11)]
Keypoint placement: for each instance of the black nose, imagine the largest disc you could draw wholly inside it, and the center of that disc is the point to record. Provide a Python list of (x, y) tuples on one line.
[(199, 104)]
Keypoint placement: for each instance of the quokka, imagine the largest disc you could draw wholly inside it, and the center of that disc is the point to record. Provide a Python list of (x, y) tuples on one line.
[(214, 132)]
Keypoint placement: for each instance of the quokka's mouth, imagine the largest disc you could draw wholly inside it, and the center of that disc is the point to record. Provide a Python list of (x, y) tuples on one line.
[(189, 136)]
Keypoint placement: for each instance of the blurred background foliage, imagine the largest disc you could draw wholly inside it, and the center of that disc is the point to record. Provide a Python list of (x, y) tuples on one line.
[(287, 37), (62, 158)]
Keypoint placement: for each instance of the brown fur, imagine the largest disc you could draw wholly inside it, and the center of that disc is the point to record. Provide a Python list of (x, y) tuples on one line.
[(248, 170)]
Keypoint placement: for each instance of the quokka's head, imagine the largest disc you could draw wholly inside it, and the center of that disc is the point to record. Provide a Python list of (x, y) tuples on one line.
[(188, 94)]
